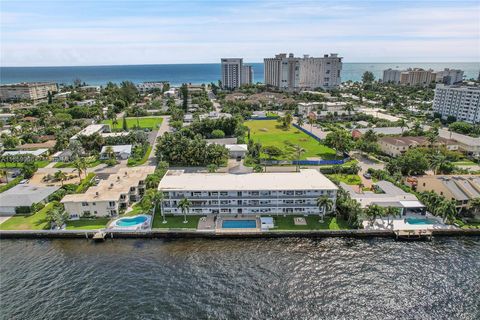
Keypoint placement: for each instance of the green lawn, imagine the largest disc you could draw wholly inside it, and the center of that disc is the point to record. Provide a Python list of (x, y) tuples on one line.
[(270, 133), (90, 164), (132, 162), (87, 224), (36, 221), (329, 223), (39, 164), (350, 179), (464, 163), (176, 222), (144, 122)]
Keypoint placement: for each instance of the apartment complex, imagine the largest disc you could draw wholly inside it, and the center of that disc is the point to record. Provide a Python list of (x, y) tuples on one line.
[(461, 102), (421, 77), (234, 73), (149, 86), (27, 91), (250, 193), (461, 188), (395, 146), (291, 73), (110, 196)]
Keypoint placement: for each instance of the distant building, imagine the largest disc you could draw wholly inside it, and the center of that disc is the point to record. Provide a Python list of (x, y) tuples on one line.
[(249, 193), (85, 103), (6, 117), (36, 153), (149, 86), (417, 77), (461, 102), (27, 91), (290, 73), (395, 146), (391, 76), (232, 69), (449, 76), (247, 75), (62, 156)]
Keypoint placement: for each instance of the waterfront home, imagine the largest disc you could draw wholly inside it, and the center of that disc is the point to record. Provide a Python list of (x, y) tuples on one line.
[(386, 194), (121, 152), (249, 193), (23, 196), (110, 196), (461, 188)]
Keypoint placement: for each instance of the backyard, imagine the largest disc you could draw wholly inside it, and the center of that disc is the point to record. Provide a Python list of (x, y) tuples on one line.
[(271, 133), (36, 221), (144, 122), (313, 223), (87, 224), (175, 222)]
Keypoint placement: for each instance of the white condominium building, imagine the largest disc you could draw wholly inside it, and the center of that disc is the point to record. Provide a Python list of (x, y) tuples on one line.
[(449, 76), (247, 75), (27, 90), (251, 193), (232, 69), (291, 73), (461, 102), (110, 196), (391, 76)]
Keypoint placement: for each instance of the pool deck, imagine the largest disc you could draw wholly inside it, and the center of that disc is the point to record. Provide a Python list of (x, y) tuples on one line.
[(219, 229), (401, 224)]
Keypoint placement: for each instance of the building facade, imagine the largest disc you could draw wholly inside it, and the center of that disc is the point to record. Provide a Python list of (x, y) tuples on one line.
[(391, 76), (232, 69), (449, 76), (461, 102), (249, 194), (110, 196), (417, 77), (27, 91), (290, 73), (247, 75)]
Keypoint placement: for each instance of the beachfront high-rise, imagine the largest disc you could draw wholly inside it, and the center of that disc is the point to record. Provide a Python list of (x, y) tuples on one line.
[(291, 73), (461, 102), (247, 75), (27, 91), (232, 69)]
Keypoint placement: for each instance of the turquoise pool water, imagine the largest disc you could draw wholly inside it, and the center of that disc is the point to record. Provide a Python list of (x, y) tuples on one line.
[(128, 222), (239, 224), (420, 221)]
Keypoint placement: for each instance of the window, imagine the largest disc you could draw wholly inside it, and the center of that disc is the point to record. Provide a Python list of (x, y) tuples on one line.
[(84, 204), (111, 203)]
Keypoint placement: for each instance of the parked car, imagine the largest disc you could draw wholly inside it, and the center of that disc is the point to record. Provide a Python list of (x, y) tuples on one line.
[(367, 175)]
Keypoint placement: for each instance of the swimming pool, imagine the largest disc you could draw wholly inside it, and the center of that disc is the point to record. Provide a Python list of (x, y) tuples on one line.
[(131, 223), (239, 224), (421, 221)]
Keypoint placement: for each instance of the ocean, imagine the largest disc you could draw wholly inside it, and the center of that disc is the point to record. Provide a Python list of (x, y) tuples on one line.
[(291, 278), (177, 74)]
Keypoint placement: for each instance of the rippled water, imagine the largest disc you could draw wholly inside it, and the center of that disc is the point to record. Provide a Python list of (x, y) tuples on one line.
[(238, 279)]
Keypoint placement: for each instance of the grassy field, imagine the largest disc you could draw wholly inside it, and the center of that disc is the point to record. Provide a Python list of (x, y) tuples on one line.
[(36, 221), (87, 224), (329, 223), (175, 222), (144, 122), (90, 164), (464, 163), (39, 164), (132, 162), (270, 133), (350, 179)]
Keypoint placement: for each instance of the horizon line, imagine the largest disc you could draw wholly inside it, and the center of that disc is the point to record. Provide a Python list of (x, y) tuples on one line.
[(216, 63)]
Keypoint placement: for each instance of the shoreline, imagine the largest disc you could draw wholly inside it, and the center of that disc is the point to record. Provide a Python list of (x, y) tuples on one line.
[(178, 234)]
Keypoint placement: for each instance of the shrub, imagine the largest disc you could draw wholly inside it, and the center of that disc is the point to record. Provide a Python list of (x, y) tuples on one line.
[(218, 134)]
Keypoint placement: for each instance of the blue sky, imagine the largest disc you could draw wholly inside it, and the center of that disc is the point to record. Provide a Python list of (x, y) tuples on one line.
[(107, 32)]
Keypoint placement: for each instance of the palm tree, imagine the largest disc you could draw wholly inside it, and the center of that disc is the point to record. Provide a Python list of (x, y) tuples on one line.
[(373, 211), (391, 211), (288, 119), (300, 121), (184, 205), (58, 216), (109, 151), (298, 153), (448, 210), (437, 162), (349, 108), (60, 175), (325, 204), (77, 164), (157, 200), (4, 173), (474, 205)]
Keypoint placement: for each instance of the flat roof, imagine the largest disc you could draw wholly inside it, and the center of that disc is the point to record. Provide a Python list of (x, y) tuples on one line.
[(308, 179), (126, 148), (111, 188), (25, 195), (37, 152), (90, 129)]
